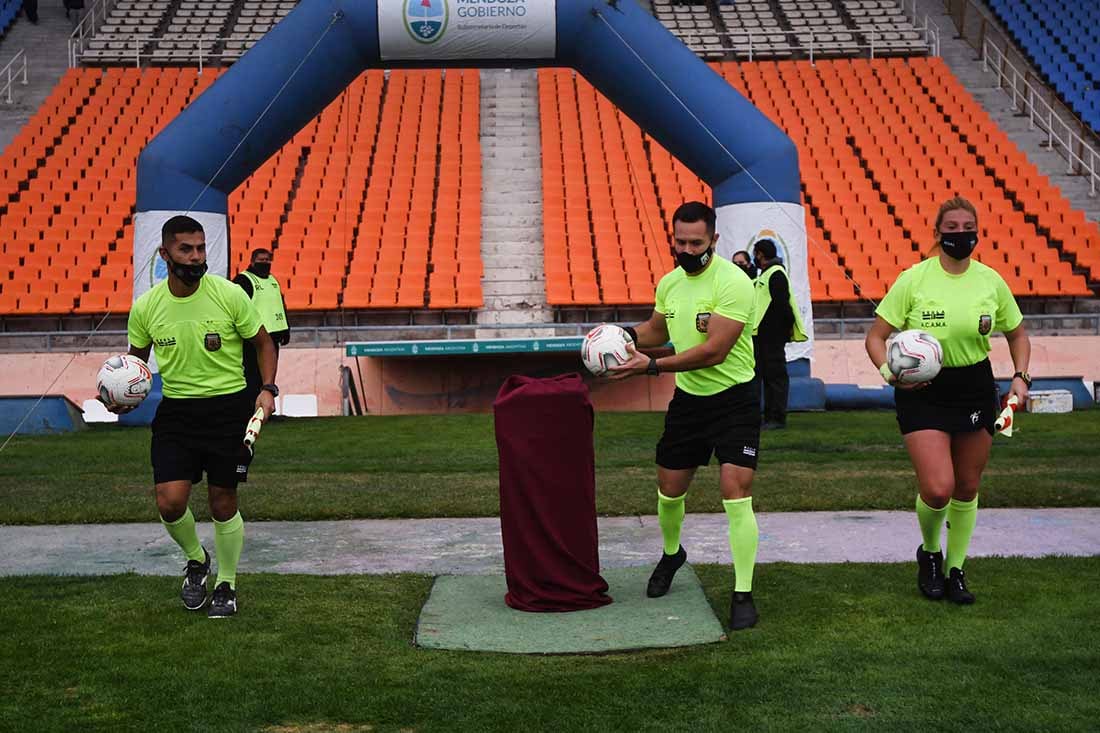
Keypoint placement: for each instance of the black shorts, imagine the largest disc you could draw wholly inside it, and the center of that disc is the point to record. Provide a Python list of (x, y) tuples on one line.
[(958, 400), (726, 424), (200, 434)]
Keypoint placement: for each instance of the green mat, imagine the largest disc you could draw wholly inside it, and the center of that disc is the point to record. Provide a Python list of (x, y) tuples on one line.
[(468, 612)]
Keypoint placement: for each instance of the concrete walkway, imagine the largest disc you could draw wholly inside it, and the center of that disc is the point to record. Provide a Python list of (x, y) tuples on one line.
[(473, 546)]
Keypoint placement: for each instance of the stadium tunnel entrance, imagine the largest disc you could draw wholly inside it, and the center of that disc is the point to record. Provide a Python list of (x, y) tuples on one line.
[(309, 58)]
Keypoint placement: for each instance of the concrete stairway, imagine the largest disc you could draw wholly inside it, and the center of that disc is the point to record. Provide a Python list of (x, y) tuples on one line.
[(46, 46), (964, 63), (511, 205)]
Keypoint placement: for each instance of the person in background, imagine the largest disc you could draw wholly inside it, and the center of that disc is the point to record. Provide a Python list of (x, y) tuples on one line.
[(743, 259), (262, 287), (777, 323)]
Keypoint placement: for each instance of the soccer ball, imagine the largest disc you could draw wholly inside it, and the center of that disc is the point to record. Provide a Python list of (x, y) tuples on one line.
[(914, 356), (124, 381), (604, 347)]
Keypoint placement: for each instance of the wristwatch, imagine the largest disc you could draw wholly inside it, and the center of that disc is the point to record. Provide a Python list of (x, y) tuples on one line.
[(272, 389), (1024, 376), (652, 369)]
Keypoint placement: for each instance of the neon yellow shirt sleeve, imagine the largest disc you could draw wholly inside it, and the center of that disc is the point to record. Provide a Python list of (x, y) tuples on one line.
[(246, 317), (735, 299), (895, 307), (137, 333), (1009, 316)]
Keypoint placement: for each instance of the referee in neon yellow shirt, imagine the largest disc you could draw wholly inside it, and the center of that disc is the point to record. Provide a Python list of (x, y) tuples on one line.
[(197, 326), (947, 424), (703, 306)]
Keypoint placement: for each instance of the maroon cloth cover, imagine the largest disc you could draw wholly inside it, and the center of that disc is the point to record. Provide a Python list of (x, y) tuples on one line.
[(548, 494)]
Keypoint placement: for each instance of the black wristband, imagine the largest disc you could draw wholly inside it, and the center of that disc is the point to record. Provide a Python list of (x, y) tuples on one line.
[(632, 333), (652, 369)]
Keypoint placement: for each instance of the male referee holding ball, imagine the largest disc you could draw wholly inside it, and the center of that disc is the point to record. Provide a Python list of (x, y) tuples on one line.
[(197, 325), (703, 305)]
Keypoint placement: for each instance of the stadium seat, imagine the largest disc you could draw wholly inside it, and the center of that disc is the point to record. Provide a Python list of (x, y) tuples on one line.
[(1060, 38), (871, 189), (357, 186)]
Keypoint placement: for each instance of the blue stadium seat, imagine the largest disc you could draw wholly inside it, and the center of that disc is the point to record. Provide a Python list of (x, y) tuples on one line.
[(9, 9), (1061, 38)]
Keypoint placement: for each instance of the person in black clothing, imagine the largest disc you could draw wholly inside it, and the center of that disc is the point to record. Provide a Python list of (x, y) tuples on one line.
[(30, 7), (743, 259), (775, 320), (264, 291)]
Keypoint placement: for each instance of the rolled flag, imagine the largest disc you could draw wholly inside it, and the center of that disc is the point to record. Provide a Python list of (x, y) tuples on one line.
[(253, 430), (1003, 425)]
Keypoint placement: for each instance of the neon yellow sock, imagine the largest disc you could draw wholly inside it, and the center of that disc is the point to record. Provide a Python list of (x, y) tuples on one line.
[(186, 536), (744, 538), (670, 516), (228, 541), (931, 522), (961, 518)]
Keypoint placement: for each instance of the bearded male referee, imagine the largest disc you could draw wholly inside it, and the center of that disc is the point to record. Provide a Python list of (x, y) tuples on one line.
[(703, 306), (197, 325)]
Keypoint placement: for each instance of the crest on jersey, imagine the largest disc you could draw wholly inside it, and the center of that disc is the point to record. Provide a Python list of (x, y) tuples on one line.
[(985, 325), (212, 341), (702, 320), (426, 20)]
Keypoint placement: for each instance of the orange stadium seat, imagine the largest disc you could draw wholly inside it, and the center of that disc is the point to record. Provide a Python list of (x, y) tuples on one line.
[(358, 181), (870, 189)]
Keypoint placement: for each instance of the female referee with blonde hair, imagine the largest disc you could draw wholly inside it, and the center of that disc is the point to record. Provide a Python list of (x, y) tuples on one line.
[(947, 423)]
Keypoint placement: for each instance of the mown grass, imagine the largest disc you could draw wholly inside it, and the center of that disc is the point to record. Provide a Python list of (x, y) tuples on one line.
[(446, 466), (839, 647)]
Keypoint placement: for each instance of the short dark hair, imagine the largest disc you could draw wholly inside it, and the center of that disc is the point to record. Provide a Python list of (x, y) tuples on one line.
[(178, 225), (694, 211), (766, 246), (260, 251), (741, 252)]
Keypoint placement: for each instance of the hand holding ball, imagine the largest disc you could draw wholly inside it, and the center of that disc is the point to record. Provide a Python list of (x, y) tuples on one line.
[(605, 346), (123, 382), (914, 356)]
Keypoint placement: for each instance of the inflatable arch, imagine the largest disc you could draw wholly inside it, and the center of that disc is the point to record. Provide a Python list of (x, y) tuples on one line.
[(308, 59)]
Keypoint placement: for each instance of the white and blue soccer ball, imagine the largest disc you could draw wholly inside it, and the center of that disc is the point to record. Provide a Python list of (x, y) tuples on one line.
[(124, 381), (914, 356), (604, 347)]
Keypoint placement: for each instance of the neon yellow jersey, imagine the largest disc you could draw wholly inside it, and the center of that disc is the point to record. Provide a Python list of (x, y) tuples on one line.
[(687, 304), (197, 339), (961, 311)]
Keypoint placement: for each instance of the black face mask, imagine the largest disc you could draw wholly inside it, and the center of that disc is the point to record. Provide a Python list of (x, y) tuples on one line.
[(260, 269), (958, 245), (693, 263), (189, 274), (750, 270)]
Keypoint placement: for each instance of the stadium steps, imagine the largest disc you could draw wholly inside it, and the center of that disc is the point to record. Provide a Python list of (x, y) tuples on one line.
[(964, 64), (46, 45), (511, 214)]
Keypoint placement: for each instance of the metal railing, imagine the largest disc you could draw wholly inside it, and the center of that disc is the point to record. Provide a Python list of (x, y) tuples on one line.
[(94, 17), (13, 70), (1062, 137), (199, 50), (826, 329), (983, 32), (757, 44)]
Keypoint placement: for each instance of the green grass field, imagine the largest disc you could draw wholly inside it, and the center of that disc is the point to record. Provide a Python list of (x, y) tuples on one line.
[(839, 647), (381, 467)]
